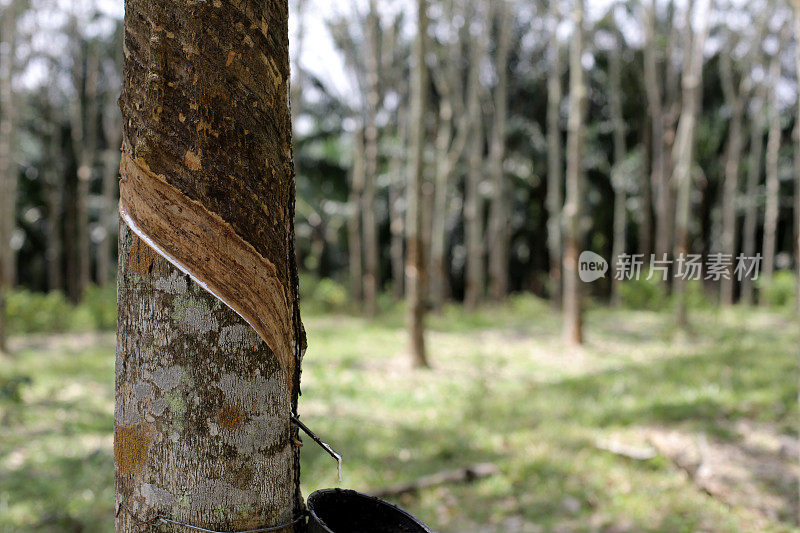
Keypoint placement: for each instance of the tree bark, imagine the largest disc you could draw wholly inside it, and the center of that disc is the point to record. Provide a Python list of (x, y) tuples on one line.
[(396, 209), (112, 127), (203, 431), (8, 174), (554, 198), (733, 152), (773, 185), (473, 205), (574, 202), (354, 221), (84, 141), (618, 179), (415, 259), (371, 245), (683, 154), (755, 158), (500, 210), (658, 178), (796, 5)]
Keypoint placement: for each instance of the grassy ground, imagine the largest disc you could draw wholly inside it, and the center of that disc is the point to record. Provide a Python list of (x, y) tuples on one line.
[(717, 409)]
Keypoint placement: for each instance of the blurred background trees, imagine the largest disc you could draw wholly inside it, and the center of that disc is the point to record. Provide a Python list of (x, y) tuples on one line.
[(655, 127)]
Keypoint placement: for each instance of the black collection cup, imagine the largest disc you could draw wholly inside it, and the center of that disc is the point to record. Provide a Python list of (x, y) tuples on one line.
[(348, 511)]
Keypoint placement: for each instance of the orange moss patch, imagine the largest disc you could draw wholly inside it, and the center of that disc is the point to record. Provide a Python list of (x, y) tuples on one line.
[(230, 416), (130, 448)]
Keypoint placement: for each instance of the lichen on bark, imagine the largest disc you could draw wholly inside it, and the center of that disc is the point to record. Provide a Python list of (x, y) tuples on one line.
[(202, 421)]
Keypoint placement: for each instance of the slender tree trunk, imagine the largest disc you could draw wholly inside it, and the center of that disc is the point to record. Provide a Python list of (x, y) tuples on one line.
[(755, 158), (500, 210), (354, 242), (773, 185), (733, 101), (203, 431), (645, 211), (112, 127), (618, 179), (473, 205), (658, 177), (8, 174), (371, 250), (555, 163), (84, 141), (396, 210), (55, 280), (683, 154), (573, 207), (415, 259), (796, 4)]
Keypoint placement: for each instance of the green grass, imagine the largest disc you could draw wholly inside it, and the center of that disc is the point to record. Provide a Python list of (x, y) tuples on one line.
[(504, 389)]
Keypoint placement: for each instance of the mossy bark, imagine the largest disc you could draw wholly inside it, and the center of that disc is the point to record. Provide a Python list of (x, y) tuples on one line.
[(202, 421)]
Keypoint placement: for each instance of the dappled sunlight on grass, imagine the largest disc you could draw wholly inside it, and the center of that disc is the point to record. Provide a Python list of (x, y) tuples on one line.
[(503, 389)]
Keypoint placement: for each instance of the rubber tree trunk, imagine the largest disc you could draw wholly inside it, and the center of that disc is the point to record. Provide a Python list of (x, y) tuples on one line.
[(415, 259), (658, 178), (734, 102), (398, 172), (796, 5), (773, 185), (618, 179), (203, 433), (84, 141), (453, 132), (683, 154), (475, 275), (755, 159), (354, 221), (371, 245), (112, 127), (574, 202), (555, 185), (8, 175), (501, 208)]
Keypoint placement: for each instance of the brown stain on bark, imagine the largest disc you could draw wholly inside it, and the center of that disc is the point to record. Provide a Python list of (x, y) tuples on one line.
[(141, 257), (205, 246), (230, 416), (131, 443)]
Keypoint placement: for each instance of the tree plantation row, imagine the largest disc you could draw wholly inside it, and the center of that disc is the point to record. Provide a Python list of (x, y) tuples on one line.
[(477, 161)]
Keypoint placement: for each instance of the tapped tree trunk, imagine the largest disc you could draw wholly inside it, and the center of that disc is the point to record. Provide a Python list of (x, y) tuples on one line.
[(574, 204), (683, 154), (554, 199), (8, 175), (773, 186), (500, 213), (415, 259), (203, 432)]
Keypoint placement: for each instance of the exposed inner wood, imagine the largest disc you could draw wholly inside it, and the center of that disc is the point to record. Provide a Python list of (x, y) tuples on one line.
[(201, 244)]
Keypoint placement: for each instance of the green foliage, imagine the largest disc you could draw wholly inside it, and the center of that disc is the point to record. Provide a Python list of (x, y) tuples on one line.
[(34, 312), (11, 387), (322, 295), (644, 294), (780, 291)]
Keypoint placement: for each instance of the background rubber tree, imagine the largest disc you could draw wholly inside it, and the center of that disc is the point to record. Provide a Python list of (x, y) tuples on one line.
[(203, 432), (415, 258), (575, 186)]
